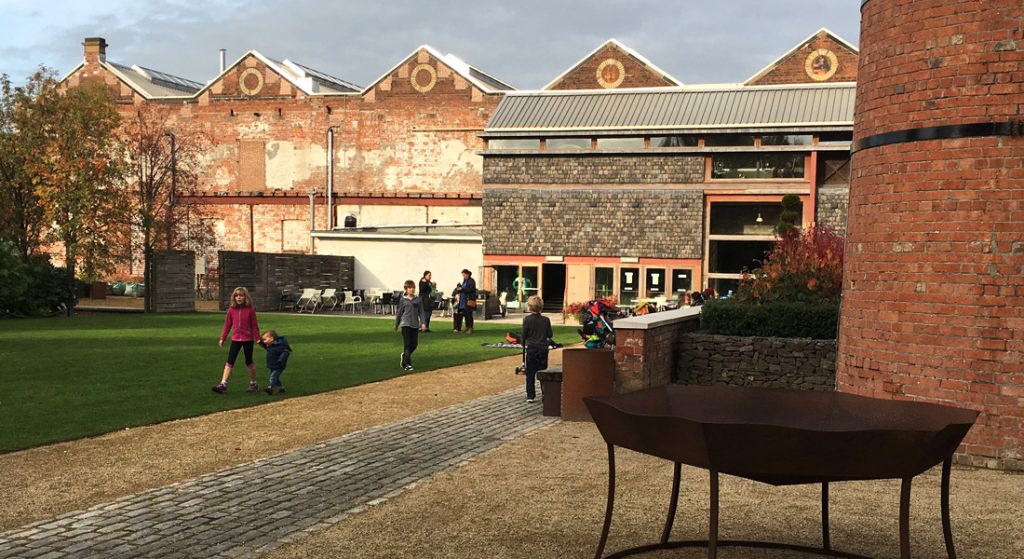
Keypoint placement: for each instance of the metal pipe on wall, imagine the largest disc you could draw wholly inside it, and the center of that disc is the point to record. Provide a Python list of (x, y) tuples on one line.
[(312, 218)]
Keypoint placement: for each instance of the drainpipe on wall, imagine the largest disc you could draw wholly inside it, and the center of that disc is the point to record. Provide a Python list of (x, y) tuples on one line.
[(223, 59), (330, 178), (312, 218)]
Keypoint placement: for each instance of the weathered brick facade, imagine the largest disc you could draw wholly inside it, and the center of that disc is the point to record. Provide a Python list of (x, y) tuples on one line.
[(799, 65), (593, 169), (593, 222), (933, 305), (612, 66)]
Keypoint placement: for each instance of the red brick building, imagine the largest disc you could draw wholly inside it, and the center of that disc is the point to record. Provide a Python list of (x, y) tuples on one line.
[(404, 147)]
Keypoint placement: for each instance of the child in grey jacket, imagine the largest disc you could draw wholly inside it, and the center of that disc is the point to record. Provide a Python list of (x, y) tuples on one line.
[(409, 315)]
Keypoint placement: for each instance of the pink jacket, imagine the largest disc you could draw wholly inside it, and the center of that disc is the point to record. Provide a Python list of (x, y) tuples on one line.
[(243, 319)]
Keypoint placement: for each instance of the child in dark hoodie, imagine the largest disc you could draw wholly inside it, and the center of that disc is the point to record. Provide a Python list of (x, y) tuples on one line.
[(278, 351)]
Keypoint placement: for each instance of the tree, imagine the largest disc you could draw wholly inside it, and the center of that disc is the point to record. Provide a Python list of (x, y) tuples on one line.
[(77, 173), (790, 214), (21, 214), (164, 163)]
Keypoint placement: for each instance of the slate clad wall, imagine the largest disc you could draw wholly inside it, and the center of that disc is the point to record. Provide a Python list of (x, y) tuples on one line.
[(174, 278), (593, 222), (832, 208), (797, 363), (581, 168), (266, 276)]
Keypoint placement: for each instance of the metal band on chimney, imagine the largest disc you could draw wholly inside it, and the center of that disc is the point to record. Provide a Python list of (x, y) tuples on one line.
[(948, 132)]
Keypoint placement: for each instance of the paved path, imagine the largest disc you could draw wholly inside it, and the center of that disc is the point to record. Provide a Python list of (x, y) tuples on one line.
[(253, 508)]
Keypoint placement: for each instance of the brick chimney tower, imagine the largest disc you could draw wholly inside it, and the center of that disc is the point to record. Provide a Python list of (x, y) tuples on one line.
[(95, 50), (933, 301)]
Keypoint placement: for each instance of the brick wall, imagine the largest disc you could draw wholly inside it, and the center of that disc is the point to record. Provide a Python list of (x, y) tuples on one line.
[(802, 364), (584, 74), (793, 68), (646, 348), (593, 222), (577, 168), (267, 275), (174, 279), (933, 305)]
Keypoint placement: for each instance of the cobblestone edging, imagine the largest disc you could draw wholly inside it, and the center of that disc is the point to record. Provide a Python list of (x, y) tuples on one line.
[(252, 508)]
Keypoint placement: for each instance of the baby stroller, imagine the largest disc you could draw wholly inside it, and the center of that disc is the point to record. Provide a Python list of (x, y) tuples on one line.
[(597, 330), (517, 338)]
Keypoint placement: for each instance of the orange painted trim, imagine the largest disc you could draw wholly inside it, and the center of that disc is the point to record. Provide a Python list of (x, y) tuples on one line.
[(299, 200), (811, 206), (742, 198), (505, 259)]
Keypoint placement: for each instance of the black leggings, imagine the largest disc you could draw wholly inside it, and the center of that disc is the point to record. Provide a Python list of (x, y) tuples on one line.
[(233, 352), (410, 337)]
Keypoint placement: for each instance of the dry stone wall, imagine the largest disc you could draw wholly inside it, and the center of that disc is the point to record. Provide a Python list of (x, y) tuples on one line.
[(796, 363)]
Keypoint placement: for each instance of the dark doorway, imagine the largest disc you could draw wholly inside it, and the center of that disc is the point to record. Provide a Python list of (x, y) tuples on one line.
[(553, 287)]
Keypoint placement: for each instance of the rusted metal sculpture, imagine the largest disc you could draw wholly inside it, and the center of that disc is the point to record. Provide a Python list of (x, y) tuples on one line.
[(780, 437)]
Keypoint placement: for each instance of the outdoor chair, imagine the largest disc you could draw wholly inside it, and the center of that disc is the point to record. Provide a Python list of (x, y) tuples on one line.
[(352, 300), (287, 300), (329, 297), (385, 302), (308, 300)]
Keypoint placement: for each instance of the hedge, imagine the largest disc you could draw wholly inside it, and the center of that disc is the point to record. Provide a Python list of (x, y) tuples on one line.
[(819, 321)]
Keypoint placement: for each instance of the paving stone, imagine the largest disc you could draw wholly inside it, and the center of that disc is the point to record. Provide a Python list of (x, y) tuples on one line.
[(255, 507)]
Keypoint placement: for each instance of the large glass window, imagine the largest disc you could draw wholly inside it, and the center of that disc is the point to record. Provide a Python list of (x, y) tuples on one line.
[(513, 144), (744, 218), (673, 141), (757, 165), (682, 281), (528, 282), (787, 140), (504, 281), (629, 280), (567, 143), (604, 282), (656, 281), (723, 140), (834, 138), (620, 143)]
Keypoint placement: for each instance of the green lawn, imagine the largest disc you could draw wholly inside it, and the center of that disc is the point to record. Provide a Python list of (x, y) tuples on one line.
[(70, 378)]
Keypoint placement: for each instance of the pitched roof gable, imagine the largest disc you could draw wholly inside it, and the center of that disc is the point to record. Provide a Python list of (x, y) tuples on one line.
[(481, 80), (821, 36), (303, 78), (644, 72)]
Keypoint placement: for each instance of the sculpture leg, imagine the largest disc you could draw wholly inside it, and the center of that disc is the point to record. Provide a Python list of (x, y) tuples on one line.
[(825, 540), (713, 517), (610, 505), (672, 504), (905, 518), (947, 530)]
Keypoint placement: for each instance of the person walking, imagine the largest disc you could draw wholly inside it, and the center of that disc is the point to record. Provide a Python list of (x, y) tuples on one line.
[(278, 352), (241, 323), (536, 340), (408, 316), (467, 300), (427, 299)]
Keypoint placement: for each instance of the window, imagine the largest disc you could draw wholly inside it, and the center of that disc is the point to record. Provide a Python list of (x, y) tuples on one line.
[(604, 282), (835, 138), (504, 281), (743, 218), (757, 166), (673, 141), (620, 143), (568, 143), (722, 140), (655, 282), (682, 281), (787, 140), (629, 279), (513, 144)]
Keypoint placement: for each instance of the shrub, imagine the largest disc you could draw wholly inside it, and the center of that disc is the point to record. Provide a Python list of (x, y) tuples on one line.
[(803, 266), (30, 288), (819, 321)]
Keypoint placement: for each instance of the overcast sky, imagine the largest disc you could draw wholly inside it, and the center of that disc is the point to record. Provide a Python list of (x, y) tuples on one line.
[(526, 43)]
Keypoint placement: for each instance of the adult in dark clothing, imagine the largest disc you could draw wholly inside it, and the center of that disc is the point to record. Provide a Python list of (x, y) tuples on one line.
[(427, 298), (536, 337), (466, 292)]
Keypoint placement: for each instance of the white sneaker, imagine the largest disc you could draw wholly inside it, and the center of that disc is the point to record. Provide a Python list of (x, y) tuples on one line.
[(530, 400)]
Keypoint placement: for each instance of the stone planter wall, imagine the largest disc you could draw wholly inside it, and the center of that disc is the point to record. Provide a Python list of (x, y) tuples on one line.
[(798, 363)]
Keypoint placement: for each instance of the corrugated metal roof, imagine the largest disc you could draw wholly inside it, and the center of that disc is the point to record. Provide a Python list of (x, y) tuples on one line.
[(689, 107)]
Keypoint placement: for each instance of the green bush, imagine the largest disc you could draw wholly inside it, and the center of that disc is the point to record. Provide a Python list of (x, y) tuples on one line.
[(819, 321), (30, 288)]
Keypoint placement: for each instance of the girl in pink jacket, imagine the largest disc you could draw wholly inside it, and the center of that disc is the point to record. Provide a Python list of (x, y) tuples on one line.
[(241, 318)]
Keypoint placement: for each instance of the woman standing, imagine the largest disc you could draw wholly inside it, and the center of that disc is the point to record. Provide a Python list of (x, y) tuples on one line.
[(467, 300), (427, 298)]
